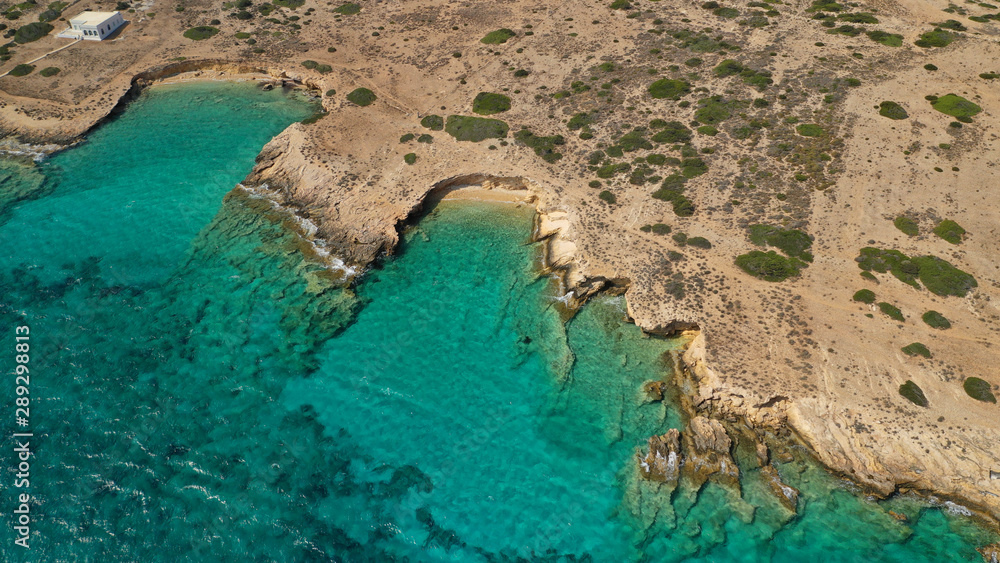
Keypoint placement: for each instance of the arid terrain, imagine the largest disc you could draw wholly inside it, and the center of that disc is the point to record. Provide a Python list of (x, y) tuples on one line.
[(763, 130)]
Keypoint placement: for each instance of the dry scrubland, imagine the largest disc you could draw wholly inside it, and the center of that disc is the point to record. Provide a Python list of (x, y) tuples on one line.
[(726, 162)]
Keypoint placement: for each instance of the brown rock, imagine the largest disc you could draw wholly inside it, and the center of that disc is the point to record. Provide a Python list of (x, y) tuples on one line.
[(991, 552), (707, 451), (662, 462), (787, 495), (654, 390)]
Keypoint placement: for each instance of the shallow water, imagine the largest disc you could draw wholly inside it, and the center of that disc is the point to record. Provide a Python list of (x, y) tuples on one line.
[(204, 391)]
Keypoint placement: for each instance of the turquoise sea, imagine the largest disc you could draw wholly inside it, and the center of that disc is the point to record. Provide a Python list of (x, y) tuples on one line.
[(202, 389)]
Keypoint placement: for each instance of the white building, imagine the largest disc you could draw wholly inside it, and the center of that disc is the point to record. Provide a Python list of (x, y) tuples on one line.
[(93, 26)]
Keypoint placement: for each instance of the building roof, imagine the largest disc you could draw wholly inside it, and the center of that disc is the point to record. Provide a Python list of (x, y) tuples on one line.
[(92, 18)]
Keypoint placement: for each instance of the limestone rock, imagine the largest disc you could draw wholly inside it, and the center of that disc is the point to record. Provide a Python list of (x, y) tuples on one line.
[(787, 495), (663, 460), (991, 552), (707, 450), (654, 390)]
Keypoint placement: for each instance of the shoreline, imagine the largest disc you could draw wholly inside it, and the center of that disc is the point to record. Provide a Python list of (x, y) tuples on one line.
[(552, 230)]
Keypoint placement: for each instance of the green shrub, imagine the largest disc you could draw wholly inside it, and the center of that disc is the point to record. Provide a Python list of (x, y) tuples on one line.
[(693, 61), (621, 5), (950, 231), (936, 38), (916, 349), (347, 9), (608, 197), (936, 320), (49, 71), (942, 278), (289, 3), (314, 117), (331, 93), (579, 121), (699, 242), (713, 110), (893, 261), (693, 167), (956, 106), (892, 110), (475, 129), (728, 67), (673, 132), (891, 311), (407, 138), (497, 37), (809, 130), (708, 130), (979, 390), (989, 75), (22, 70), (929, 66), (769, 266), (32, 32), (433, 122), (543, 146), (410, 158), (792, 242), (728, 13), (907, 225), (672, 190), (887, 39), (241, 35), (913, 393), (865, 296), (201, 32), (425, 138), (660, 229), (669, 88), (310, 64), (362, 97), (487, 103)]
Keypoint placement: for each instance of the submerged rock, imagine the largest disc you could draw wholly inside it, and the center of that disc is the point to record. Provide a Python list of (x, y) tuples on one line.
[(787, 495), (654, 390), (662, 462), (991, 552)]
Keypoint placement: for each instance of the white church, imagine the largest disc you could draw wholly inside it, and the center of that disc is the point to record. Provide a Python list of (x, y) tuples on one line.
[(93, 26)]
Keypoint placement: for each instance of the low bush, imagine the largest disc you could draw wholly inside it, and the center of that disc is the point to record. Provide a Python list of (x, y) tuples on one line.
[(956, 106), (34, 31), (892, 110), (433, 122), (936, 320), (672, 190), (362, 97), (936, 38), (769, 266), (475, 129), (673, 132), (347, 8), (608, 197), (864, 296), (49, 71), (201, 32), (497, 37), (544, 147), (940, 277), (487, 103), (668, 88), (425, 138), (580, 120), (908, 225), (913, 393), (809, 130), (728, 13), (699, 242), (793, 242), (979, 390), (410, 158), (950, 231), (916, 349), (22, 70), (407, 138), (891, 311)]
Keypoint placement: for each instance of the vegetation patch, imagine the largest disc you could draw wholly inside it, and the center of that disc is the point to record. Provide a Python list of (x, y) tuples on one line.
[(913, 393), (49, 71), (941, 278), (487, 103), (673, 132), (908, 225), (792, 242), (936, 320), (346, 9), (809, 130), (544, 147), (433, 122), (887, 39), (936, 38), (475, 129), (892, 110), (608, 197), (759, 79), (669, 88), (956, 106), (916, 349), (410, 158), (891, 311), (950, 231), (769, 266), (979, 390), (34, 31), (201, 32), (362, 97), (672, 190), (22, 70), (865, 296), (497, 37)]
